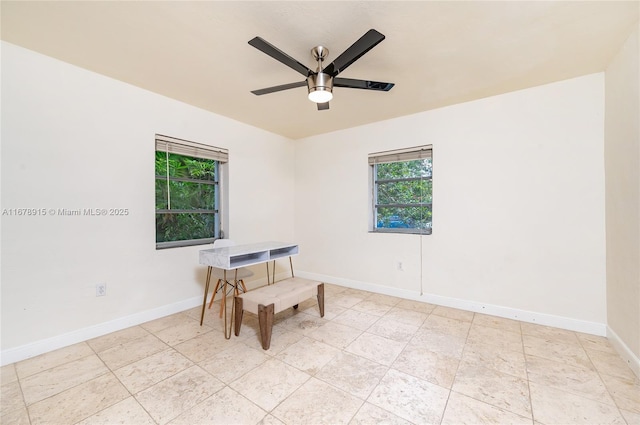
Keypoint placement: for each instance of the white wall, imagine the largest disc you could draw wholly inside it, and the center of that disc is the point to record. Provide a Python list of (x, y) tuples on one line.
[(622, 177), (518, 214), (75, 139)]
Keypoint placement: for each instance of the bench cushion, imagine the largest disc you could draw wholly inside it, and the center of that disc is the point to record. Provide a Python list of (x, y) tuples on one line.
[(283, 294)]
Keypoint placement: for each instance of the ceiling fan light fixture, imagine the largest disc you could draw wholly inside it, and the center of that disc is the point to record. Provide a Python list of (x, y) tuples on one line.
[(320, 87)]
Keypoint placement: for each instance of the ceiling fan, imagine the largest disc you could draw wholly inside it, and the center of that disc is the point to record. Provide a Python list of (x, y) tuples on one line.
[(320, 83)]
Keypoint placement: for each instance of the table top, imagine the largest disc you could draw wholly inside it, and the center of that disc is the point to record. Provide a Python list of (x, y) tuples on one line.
[(232, 257)]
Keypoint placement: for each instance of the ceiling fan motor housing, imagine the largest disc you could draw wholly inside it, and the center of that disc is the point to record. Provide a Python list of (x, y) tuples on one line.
[(320, 81)]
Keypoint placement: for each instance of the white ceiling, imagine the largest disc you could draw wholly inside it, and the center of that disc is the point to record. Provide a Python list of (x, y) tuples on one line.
[(437, 53)]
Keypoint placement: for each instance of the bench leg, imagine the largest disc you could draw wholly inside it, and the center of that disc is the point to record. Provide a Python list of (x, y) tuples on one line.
[(238, 315), (321, 299), (265, 319)]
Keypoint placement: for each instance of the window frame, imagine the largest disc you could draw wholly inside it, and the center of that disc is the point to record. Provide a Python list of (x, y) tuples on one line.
[(192, 150), (399, 155)]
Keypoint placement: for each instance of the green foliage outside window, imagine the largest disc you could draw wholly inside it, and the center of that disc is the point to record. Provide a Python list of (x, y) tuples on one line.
[(404, 195), (186, 193)]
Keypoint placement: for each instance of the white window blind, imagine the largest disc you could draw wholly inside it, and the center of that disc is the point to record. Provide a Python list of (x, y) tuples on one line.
[(192, 149), (407, 154)]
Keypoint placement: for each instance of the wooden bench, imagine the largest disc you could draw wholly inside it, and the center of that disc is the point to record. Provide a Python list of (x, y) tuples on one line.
[(268, 300)]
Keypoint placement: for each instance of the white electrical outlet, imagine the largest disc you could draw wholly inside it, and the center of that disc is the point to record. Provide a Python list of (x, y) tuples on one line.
[(400, 266), (101, 289)]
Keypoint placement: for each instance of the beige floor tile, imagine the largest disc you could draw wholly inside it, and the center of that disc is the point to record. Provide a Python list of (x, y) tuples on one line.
[(270, 383), (506, 361), (79, 402), (357, 293), (353, 374), (493, 387), (14, 417), (580, 381), (406, 316), (331, 289), (626, 393), (127, 411), (233, 362), (631, 417), (8, 374), (250, 328), (553, 406), (377, 348), (132, 351), (468, 411), (384, 299), (162, 323), (370, 414), (182, 332), (223, 408), (372, 307), (419, 306), (52, 359), (335, 334), (318, 403), (281, 339), (308, 355), (356, 319), (497, 322), (422, 363), (594, 342), (302, 323), (388, 327), (611, 364), (331, 311), (11, 397), (447, 325), (177, 394), (346, 300), (549, 333), (569, 353), (445, 344), (503, 340), (270, 420), (149, 371), (204, 346), (211, 315), (60, 378), (410, 398), (115, 339), (453, 313)]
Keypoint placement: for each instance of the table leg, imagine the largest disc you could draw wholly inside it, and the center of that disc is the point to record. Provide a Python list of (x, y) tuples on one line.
[(206, 291), (291, 264), (268, 283), (227, 334)]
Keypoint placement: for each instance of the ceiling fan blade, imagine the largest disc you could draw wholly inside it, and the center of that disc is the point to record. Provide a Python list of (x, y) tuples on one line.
[(279, 55), (361, 84), (354, 52), (323, 106), (279, 88)]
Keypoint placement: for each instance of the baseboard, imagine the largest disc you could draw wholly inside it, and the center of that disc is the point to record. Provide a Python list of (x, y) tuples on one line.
[(576, 325), (23, 352), (625, 352)]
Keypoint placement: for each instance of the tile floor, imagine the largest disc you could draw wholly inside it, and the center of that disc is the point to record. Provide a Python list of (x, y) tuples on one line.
[(372, 359)]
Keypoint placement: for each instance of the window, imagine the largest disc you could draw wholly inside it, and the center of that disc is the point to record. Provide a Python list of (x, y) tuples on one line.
[(187, 192), (401, 183)]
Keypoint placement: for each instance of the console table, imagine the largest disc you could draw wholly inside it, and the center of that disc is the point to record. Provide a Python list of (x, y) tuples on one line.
[(230, 258)]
